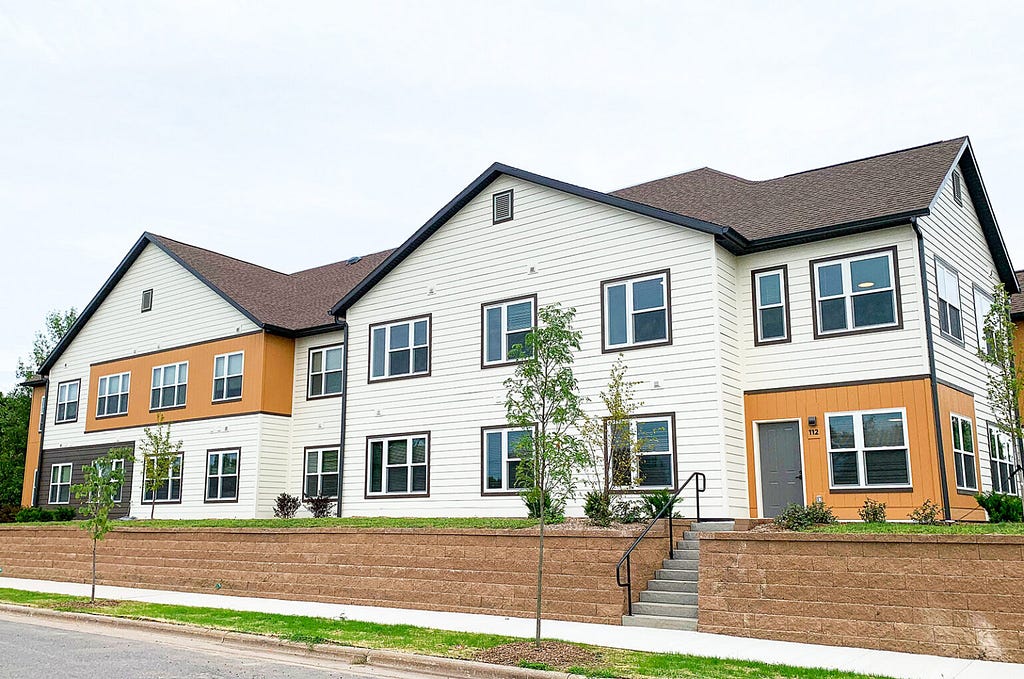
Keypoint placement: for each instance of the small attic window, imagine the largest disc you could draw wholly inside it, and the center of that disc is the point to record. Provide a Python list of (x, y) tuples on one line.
[(147, 300), (958, 194), (501, 206)]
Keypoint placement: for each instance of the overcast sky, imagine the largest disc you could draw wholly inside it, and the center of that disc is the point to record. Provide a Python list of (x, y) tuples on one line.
[(293, 134)]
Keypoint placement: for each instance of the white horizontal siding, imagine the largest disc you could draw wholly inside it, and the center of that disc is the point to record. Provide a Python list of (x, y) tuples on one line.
[(272, 461), (730, 358)]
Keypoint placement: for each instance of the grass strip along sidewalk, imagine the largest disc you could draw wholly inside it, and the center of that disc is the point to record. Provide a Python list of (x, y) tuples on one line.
[(919, 529), (608, 662)]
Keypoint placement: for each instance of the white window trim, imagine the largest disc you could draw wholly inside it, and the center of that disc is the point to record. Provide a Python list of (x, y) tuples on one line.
[(858, 440), (848, 296), (671, 452), (58, 485), (409, 464), (388, 327), (126, 377), (319, 469), (663, 276), (62, 389), (115, 464), (506, 488), (504, 305), (940, 267), (979, 318), (1008, 460), (783, 304), (42, 412), (178, 385), (226, 375), (953, 417), (220, 475), (323, 362), (180, 478)]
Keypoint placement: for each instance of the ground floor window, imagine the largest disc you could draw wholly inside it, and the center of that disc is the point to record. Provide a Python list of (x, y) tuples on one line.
[(104, 470), (868, 449), (963, 453), (60, 484), (222, 475), (1000, 452), (321, 472), (642, 452), (502, 452), (170, 490), (397, 465)]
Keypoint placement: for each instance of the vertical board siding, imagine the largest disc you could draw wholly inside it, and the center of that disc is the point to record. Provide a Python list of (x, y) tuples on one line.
[(962, 504), (32, 448)]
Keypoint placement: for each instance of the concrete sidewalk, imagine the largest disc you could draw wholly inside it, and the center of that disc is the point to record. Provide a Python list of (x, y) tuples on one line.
[(866, 661)]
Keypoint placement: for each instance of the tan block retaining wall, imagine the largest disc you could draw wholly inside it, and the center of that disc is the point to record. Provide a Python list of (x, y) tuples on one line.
[(952, 595), (466, 571)]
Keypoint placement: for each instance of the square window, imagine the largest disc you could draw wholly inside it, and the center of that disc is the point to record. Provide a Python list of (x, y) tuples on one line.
[(641, 452), (227, 376), (505, 327), (321, 472), (169, 386), (222, 475), (855, 293), (325, 372), (636, 311), (60, 484), (112, 395), (868, 449), (67, 402), (397, 465), (400, 349), (170, 489)]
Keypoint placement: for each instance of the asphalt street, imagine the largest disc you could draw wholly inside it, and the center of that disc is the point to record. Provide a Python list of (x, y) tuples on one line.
[(32, 648)]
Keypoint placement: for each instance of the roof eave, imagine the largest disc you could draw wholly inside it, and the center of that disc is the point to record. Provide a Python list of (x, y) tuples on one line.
[(833, 231)]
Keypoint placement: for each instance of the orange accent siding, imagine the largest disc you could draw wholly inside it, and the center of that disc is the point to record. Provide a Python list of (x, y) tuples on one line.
[(962, 504), (913, 395), (268, 364), (32, 449)]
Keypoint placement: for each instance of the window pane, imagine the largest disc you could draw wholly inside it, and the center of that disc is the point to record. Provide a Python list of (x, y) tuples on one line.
[(773, 323), (874, 309), (616, 314), (870, 273), (970, 473), (333, 359), (883, 429), (229, 487), (114, 384), (167, 397), (840, 430), (419, 451), (959, 462), (513, 476), (399, 336), (654, 436), (517, 338), (234, 389), (649, 294), (518, 443), (329, 464), (492, 443), (376, 466), (398, 362), (218, 366), (312, 461), (316, 385), (180, 400), (844, 469), (229, 463), (419, 360), (398, 479), (957, 443), (519, 316), (218, 388), (886, 467), (833, 314), (73, 389), (170, 375), (419, 479), (398, 451), (656, 470), (212, 488), (71, 413), (968, 436), (182, 373), (378, 352), (830, 280), (420, 333), (770, 289), (329, 485), (154, 399), (213, 466), (157, 375), (493, 322), (123, 404), (650, 326), (333, 383), (317, 364), (955, 324), (235, 364)]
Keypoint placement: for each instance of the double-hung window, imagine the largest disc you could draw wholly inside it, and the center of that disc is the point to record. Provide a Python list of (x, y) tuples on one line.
[(1001, 463), (982, 307), (636, 311), (321, 472), (868, 449), (222, 475), (227, 376), (170, 383), (398, 465), (505, 326), (400, 348), (950, 316), (503, 450), (963, 453), (855, 293), (60, 484), (104, 470), (642, 452), (325, 366), (170, 489), (771, 305), (112, 395), (67, 401), (42, 412)]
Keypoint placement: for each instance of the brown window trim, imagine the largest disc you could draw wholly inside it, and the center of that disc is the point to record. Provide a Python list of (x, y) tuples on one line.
[(370, 379), (305, 452), (939, 261), (871, 489), (483, 461), (238, 476), (393, 496), (143, 306), (784, 268), (78, 402), (605, 349), (483, 328), (511, 206), (894, 251), (309, 372), (142, 492), (643, 490)]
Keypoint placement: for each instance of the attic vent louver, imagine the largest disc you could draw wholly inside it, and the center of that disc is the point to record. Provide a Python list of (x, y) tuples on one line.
[(501, 205), (958, 195), (353, 260)]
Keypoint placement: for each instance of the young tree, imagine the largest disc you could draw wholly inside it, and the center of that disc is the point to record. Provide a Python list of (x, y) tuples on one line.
[(542, 396), (100, 490), (56, 326), (1004, 376), (159, 457)]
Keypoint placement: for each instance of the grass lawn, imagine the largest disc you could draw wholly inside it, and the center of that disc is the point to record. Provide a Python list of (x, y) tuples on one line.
[(902, 528), (347, 522), (611, 663)]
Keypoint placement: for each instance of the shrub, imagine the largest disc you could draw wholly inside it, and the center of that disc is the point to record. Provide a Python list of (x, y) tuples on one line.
[(1001, 508), (927, 514), (320, 506), (628, 511), (873, 511), (554, 511), (657, 501), (820, 513), (64, 513), (285, 506), (798, 517), (8, 512), (33, 515), (598, 508)]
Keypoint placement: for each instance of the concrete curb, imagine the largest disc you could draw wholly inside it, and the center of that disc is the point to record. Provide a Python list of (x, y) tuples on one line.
[(426, 664)]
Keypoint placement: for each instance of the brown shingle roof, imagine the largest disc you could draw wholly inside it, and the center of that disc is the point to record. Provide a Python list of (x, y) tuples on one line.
[(880, 186), (297, 301), (1017, 300)]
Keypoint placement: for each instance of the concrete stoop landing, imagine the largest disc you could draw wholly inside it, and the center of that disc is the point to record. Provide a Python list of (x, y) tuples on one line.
[(670, 600)]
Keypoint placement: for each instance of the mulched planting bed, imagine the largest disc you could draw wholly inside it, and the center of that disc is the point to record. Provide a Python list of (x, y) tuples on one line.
[(554, 654)]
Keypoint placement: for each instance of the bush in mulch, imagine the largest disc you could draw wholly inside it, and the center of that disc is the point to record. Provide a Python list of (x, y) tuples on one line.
[(552, 654)]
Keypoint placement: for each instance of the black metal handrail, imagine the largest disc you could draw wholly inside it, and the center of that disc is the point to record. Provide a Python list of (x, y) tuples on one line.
[(699, 487)]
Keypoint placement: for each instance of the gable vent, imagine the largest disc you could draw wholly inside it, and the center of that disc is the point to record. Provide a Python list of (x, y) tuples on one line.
[(147, 300), (958, 195), (501, 206)]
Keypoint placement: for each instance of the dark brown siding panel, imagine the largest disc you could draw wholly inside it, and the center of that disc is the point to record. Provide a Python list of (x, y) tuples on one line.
[(79, 457)]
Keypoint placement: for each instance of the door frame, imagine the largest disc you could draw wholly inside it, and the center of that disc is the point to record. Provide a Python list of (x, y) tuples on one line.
[(757, 458)]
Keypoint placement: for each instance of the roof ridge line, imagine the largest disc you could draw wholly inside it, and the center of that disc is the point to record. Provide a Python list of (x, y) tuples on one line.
[(959, 140), (220, 254)]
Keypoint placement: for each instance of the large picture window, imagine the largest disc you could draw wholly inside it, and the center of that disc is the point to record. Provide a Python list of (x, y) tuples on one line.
[(321, 472), (505, 325), (636, 311), (170, 491), (771, 305), (868, 449), (227, 376), (503, 449), (400, 349), (170, 383), (222, 475), (67, 402), (325, 376), (856, 293), (112, 395), (642, 452), (398, 465), (963, 453), (1001, 462), (950, 315)]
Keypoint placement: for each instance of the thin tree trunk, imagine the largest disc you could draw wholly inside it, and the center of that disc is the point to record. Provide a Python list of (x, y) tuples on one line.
[(540, 565), (152, 507), (93, 595)]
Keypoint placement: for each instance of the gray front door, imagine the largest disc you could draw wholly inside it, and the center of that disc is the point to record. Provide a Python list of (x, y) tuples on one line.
[(781, 473)]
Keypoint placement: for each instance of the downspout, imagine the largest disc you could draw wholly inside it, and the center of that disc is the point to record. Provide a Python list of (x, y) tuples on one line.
[(42, 435), (944, 484), (344, 407)]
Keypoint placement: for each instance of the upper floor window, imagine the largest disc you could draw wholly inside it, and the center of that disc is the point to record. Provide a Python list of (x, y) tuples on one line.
[(950, 317), (501, 207), (325, 366), (771, 305), (963, 453), (400, 348), (958, 191), (1001, 462), (170, 383), (321, 472), (642, 452), (856, 293), (222, 475), (67, 401), (397, 465), (42, 412), (982, 307), (636, 311), (868, 449), (112, 395), (506, 325), (503, 450), (170, 490), (227, 376), (60, 484), (147, 300)]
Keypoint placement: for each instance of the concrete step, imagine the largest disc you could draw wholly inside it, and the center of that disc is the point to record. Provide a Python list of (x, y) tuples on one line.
[(709, 526), (676, 574), (679, 564), (672, 586), (688, 545), (657, 597), (663, 609), (660, 621)]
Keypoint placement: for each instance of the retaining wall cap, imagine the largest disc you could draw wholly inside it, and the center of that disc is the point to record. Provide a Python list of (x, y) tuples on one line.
[(949, 538)]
